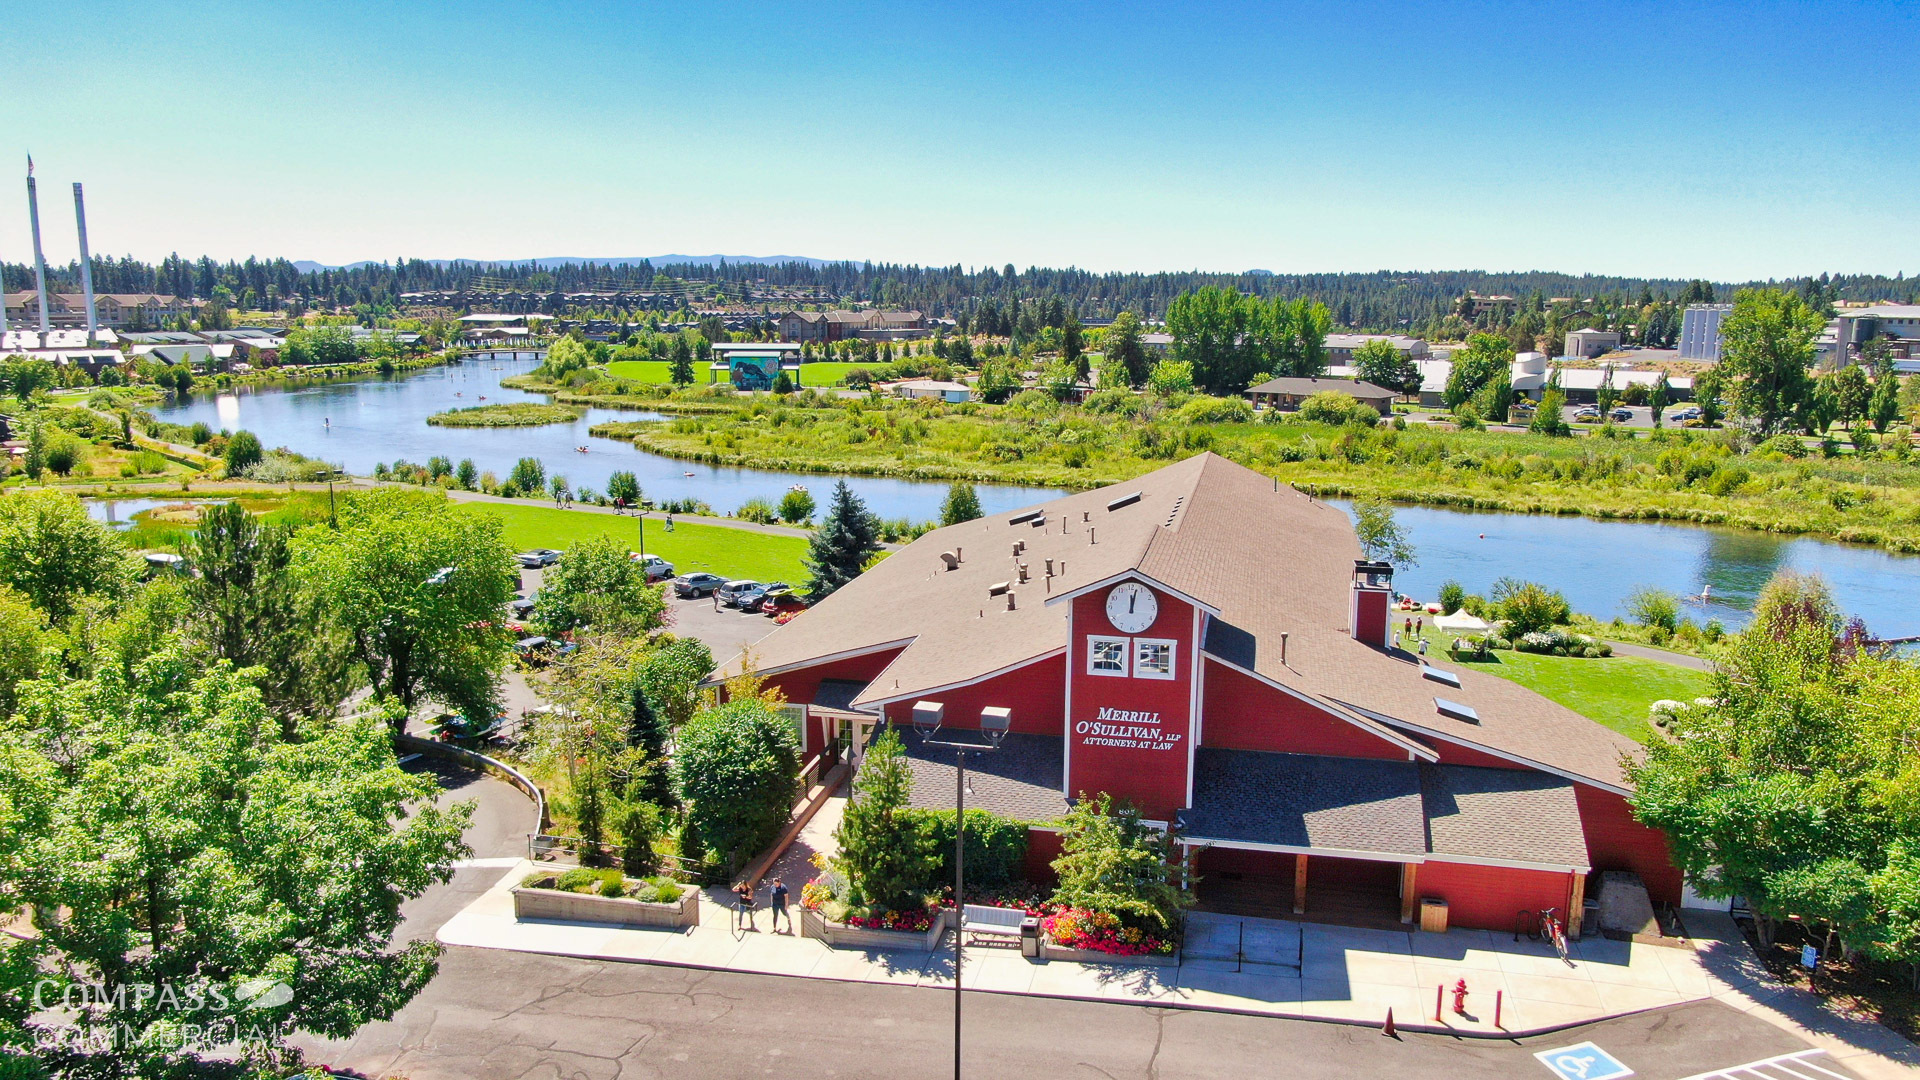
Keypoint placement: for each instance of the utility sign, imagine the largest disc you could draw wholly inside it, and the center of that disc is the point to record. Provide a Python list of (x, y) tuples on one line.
[(1584, 1061)]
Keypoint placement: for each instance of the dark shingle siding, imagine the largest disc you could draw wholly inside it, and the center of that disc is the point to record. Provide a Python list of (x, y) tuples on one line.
[(1021, 780)]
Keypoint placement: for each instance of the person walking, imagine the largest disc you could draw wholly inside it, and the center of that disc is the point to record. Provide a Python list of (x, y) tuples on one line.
[(743, 905), (779, 906)]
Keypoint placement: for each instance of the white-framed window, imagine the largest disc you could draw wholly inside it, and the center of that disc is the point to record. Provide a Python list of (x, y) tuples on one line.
[(1153, 658), (1107, 656)]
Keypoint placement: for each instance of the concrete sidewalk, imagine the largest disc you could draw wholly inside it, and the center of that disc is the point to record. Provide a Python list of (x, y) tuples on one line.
[(1302, 970), (1736, 977)]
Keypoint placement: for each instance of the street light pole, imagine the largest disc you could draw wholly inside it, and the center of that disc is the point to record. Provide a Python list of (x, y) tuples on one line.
[(994, 724)]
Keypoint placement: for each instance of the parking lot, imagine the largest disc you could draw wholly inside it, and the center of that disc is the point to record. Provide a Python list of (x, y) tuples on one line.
[(726, 630)]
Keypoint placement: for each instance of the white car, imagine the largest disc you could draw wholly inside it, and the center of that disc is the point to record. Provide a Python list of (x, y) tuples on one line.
[(658, 569)]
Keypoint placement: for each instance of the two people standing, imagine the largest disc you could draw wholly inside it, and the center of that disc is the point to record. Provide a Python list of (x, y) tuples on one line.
[(743, 905)]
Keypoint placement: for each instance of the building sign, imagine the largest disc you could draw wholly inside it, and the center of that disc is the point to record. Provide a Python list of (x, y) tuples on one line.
[(1127, 730)]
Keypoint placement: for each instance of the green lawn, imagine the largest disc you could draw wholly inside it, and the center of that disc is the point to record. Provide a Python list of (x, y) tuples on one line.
[(822, 374), (733, 553), (1615, 691)]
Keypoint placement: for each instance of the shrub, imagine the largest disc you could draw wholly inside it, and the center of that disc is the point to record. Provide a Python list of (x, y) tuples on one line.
[(578, 879), (735, 768), (996, 847), (759, 511), (528, 475), (659, 890), (796, 506), (1334, 407), (1527, 606), (886, 852), (1213, 410), (1114, 864), (1651, 607), (64, 454), (1784, 445), (1452, 596)]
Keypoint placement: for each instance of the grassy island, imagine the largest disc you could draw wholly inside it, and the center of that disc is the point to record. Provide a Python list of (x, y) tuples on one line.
[(508, 414)]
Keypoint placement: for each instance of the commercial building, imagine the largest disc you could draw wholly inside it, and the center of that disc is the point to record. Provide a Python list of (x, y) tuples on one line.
[(939, 389), (755, 365), (1341, 347), (1286, 393), (116, 311), (1587, 344), (1896, 324), (1700, 331), (1210, 646), (843, 325)]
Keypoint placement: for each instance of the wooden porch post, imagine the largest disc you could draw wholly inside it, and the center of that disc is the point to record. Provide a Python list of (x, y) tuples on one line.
[(1577, 907), (1407, 872), (1300, 884)]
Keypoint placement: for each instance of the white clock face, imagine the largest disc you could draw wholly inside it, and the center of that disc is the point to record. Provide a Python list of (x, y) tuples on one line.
[(1131, 607)]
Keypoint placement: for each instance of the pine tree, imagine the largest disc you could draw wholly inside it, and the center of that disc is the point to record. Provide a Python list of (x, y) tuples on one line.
[(680, 371), (963, 504), (843, 545), (887, 856)]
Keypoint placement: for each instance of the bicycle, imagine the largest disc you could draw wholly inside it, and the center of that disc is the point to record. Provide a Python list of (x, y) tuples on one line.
[(1555, 931)]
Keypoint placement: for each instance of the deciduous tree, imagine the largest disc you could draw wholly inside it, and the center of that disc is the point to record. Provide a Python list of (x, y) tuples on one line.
[(1768, 347)]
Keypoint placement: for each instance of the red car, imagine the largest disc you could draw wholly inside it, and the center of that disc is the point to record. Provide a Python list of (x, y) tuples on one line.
[(782, 603)]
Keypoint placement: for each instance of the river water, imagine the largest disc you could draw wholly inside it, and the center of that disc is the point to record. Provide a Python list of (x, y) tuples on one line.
[(1595, 563), (357, 424)]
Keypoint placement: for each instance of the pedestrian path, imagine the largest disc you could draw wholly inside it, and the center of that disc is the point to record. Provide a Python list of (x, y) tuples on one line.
[(1271, 967), (1736, 977)]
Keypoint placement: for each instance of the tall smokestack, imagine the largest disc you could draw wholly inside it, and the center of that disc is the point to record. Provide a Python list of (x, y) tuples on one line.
[(86, 263), (39, 260)]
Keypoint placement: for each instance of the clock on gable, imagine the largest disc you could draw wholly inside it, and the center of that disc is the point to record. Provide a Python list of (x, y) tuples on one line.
[(1131, 607)]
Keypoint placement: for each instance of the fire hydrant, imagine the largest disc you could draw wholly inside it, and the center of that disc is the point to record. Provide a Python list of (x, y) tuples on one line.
[(1460, 997)]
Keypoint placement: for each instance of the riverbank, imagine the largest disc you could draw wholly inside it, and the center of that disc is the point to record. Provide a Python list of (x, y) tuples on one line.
[(1697, 478)]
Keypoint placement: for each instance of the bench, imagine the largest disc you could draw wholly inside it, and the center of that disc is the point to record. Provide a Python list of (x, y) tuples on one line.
[(999, 922)]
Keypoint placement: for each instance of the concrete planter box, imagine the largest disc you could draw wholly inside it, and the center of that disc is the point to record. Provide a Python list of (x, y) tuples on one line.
[(841, 936), (1051, 951), (562, 906)]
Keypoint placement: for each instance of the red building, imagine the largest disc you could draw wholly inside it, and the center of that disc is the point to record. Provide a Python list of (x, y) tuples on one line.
[(1209, 645)]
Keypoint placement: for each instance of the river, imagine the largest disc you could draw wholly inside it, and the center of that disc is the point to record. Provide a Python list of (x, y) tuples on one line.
[(1595, 563), (360, 423)]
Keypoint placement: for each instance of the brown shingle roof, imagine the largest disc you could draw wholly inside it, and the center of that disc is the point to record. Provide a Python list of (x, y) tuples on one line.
[(1270, 559)]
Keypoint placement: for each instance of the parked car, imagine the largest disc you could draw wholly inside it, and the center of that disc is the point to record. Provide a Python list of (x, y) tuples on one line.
[(732, 591), (783, 603), (1691, 412), (1587, 412), (1622, 414), (750, 599), (538, 558), (691, 586), (658, 569), (523, 608)]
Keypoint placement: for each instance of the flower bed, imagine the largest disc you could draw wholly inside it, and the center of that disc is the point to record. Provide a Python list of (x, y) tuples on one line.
[(838, 935), (1093, 936), (606, 897)]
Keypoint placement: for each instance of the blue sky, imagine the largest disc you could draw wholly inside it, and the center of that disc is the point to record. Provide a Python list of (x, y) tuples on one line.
[(1721, 140)]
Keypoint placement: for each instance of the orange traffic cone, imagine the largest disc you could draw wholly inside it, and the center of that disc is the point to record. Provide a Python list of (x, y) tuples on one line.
[(1388, 1029)]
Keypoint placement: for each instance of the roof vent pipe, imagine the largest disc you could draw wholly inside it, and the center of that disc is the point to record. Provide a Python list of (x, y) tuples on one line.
[(1009, 599), (1086, 515), (1049, 567), (958, 556), (1090, 538), (1283, 648), (1023, 573)]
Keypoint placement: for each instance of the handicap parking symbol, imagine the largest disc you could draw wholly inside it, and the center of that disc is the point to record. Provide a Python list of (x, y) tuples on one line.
[(1584, 1061)]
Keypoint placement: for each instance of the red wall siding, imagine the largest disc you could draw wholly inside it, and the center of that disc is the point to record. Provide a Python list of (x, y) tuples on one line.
[(1242, 713), (1617, 842), (1489, 897), (1037, 694), (1370, 615), (1043, 846), (1153, 777), (800, 684)]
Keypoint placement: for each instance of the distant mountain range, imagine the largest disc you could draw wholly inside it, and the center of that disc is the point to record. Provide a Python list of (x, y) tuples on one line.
[(308, 266)]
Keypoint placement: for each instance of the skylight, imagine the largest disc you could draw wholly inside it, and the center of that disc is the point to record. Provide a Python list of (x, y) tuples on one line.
[(1123, 501), (1439, 676), (1456, 710)]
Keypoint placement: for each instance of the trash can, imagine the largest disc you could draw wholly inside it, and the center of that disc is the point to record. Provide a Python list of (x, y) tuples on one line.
[(1030, 938), (1433, 915)]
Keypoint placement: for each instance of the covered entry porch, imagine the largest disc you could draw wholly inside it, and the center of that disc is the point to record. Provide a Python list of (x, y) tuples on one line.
[(1242, 880), (1361, 841)]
